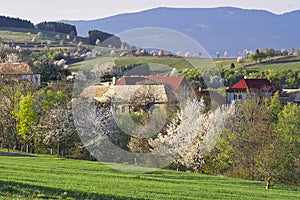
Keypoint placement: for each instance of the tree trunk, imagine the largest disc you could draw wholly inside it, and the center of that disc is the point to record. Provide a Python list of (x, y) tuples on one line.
[(58, 149), (268, 184)]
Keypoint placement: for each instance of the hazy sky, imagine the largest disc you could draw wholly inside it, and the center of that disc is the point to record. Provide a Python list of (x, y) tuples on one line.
[(41, 10)]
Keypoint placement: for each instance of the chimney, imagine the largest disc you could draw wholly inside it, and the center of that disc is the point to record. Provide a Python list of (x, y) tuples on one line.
[(114, 81)]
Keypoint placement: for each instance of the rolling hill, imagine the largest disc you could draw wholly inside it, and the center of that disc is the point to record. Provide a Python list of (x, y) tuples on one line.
[(217, 29), (57, 178)]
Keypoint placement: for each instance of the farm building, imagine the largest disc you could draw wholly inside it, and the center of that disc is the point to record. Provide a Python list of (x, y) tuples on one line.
[(250, 89), (290, 95), (134, 93), (19, 71)]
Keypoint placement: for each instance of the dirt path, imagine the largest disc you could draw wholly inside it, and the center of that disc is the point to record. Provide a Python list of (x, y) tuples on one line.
[(15, 154)]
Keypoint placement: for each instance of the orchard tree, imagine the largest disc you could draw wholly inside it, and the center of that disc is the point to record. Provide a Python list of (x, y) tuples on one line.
[(26, 118), (226, 54), (98, 42), (288, 129), (292, 51), (10, 96), (191, 134), (60, 131), (284, 52)]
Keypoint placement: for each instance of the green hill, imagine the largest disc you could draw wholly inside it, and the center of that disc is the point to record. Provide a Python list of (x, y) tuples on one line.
[(276, 64), (30, 37), (289, 63), (46, 177)]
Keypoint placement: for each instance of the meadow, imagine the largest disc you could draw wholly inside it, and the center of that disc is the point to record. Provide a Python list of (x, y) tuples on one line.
[(47, 177), (204, 64)]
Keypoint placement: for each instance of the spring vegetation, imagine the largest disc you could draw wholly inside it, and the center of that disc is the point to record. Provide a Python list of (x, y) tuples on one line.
[(256, 141), (59, 178)]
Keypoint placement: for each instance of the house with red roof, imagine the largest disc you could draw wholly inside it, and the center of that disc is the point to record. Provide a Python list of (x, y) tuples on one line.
[(178, 84), (174, 82), (250, 89), (133, 93)]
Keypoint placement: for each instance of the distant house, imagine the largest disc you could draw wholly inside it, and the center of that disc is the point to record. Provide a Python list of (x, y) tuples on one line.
[(250, 89), (140, 93), (131, 97), (19, 71), (290, 95), (178, 84), (175, 82)]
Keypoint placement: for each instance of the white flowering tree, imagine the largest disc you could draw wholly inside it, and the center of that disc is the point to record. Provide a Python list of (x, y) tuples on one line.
[(191, 134), (98, 42), (59, 130), (226, 54)]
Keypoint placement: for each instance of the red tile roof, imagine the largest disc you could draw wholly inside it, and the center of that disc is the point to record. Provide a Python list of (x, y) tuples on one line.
[(130, 80), (248, 85), (174, 81)]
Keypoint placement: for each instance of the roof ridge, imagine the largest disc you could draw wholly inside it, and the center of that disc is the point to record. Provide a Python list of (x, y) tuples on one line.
[(246, 83)]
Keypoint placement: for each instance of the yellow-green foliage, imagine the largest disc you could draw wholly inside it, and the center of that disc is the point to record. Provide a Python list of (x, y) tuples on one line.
[(26, 116)]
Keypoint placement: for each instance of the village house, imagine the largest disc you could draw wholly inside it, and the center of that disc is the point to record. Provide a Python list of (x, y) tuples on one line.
[(250, 89), (178, 84), (290, 95), (133, 93), (19, 71), (125, 98)]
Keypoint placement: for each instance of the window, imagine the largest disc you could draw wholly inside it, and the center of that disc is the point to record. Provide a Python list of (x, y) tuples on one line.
[(238, 97)]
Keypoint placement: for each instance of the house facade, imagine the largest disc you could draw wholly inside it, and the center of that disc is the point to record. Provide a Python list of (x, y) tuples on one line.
[(126, 98), (290, 95), (178, 84), (247, 89), (140, 93), (19, 71)]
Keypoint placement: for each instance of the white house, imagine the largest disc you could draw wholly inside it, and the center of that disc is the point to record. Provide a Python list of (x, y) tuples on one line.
[(250, 89), (19, 71)]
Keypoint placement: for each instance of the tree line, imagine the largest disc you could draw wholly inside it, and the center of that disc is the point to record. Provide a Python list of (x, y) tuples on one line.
[(58, 27), (36, 120), (281, 79), (101, 38), (261, 142), (15, 22)]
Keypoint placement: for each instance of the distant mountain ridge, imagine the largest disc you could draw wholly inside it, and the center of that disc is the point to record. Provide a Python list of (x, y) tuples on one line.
[(217, 29)]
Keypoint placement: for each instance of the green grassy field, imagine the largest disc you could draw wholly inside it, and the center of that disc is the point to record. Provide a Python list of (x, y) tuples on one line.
[(20, 35), (201, 64), (46, 177), (156, 63), (295, 66)]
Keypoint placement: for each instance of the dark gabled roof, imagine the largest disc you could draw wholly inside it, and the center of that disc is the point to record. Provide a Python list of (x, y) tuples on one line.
[(248, 85), (17, 69), (173, 81)]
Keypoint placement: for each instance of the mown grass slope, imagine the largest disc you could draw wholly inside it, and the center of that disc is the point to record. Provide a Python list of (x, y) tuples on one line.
[(21, 35), (46, 177), (201, 64)]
